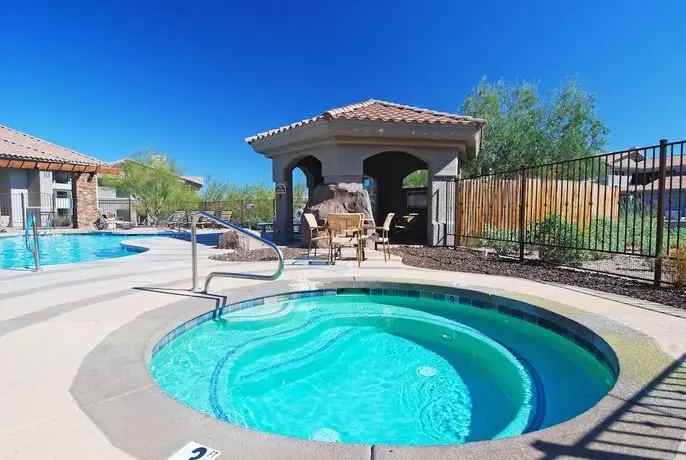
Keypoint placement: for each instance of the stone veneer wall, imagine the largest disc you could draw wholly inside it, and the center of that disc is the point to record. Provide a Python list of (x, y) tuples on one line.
[(84, 191)]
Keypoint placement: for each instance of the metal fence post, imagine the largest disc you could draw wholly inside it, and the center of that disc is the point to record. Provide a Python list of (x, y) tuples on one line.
[(23, 212), (53, 211), (458, 212), (522, 212), (660, 212)]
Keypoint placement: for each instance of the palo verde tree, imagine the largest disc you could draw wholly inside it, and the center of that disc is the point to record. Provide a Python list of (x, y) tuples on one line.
[(416, 179), (154, 182), (522, 128)]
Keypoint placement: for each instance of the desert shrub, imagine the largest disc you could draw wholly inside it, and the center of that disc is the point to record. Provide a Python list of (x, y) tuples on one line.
[(641, 231), (634, 232), (601, 235), (675, 268), (63, 221), (494, 237), (559, 241), (677, 238)]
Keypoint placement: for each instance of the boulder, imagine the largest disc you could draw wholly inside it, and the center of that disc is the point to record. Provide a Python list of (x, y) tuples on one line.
[(327, 199), (231, 239)]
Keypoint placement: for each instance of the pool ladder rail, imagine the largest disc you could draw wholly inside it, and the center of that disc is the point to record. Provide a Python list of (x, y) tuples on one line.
[(33, 228), (227, 224)]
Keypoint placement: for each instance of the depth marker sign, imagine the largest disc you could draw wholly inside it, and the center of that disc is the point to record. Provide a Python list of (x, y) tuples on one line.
[(195, 451)]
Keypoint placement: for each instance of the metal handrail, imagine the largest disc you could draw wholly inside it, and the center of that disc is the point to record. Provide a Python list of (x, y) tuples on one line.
[(31, 224), (226, 223)]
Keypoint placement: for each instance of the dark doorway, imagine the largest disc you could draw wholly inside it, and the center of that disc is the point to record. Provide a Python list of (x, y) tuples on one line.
[(385, 174)]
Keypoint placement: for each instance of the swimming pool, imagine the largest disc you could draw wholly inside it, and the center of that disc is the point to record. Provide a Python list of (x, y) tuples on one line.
[(385, 366), (66, 249)]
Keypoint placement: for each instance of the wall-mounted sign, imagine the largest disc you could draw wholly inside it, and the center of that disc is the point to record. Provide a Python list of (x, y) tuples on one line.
[(280, 188)]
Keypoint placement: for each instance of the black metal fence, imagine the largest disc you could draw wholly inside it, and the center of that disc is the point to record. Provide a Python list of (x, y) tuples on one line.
[(123, 208), (621, 212), (249, 213), (51, 210)]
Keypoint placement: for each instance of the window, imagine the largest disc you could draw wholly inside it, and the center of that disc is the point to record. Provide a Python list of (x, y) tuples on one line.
[(416, 199), (61, 194), (61, 177)]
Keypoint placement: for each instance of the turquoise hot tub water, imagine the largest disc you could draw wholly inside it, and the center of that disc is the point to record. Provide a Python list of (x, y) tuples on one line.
[(380, 370), (66, 249)]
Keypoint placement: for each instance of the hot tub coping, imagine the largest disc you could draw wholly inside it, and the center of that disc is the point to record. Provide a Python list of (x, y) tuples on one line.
[(114, 384)]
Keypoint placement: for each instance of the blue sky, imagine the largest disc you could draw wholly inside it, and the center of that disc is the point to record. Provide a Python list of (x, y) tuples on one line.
[(193, 79)]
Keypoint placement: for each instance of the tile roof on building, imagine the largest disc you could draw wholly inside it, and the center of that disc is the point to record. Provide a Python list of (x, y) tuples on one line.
[(375, 110), (195, 179), (639, 162), (673, 161), (20, 146), (671, 182)]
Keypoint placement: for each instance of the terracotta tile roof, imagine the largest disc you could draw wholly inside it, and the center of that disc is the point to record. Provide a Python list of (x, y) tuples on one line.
[(671, 182), (374, 110), (17, 145), (673, 162), (195, 179)]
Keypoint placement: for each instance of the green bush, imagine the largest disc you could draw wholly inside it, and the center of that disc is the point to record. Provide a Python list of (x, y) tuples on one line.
[(63, 221), (677, 236), (601, 235), (559, 241), (494, 237)]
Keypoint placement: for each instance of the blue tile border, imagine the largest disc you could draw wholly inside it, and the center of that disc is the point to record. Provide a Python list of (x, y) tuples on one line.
[(558, 324)]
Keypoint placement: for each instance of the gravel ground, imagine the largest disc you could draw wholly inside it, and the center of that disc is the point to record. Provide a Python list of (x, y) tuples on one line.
[(259, 255), (465, 260)]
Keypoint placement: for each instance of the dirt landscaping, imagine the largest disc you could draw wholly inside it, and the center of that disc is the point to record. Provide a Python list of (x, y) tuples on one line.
[(465, 260), (259, 255)]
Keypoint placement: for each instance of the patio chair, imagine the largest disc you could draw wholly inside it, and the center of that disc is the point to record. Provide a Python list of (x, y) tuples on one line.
[(345, 230), (203, 222), (175, 220), (383, 237), (110, 220), (225, 215), (4, 223), (123, 224), (315, 228), (407, 224)]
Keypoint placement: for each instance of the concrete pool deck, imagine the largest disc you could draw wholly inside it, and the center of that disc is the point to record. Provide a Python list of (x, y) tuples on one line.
[(52, 324)]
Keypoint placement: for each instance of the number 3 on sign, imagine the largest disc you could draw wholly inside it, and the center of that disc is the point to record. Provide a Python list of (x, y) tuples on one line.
[(195, 451)]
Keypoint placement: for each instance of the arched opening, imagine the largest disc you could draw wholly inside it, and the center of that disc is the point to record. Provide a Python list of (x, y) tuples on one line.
[(387, 173), (306, 174)]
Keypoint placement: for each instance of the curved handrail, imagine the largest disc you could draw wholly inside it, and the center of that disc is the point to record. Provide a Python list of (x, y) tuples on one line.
[(31, 226), (226, 223), (27, 228)]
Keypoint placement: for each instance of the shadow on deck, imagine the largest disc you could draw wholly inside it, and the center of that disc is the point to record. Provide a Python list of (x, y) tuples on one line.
[(650, 425)]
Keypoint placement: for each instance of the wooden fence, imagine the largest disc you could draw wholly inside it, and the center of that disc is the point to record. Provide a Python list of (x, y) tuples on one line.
[(493, 205)]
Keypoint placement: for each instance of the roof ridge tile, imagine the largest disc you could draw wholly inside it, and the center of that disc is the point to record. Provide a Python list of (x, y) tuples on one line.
[(48, 143), (387, 111)]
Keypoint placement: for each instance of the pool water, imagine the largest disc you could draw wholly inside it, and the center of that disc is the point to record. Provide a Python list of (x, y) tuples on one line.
[(65, 249), (380, 370)]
